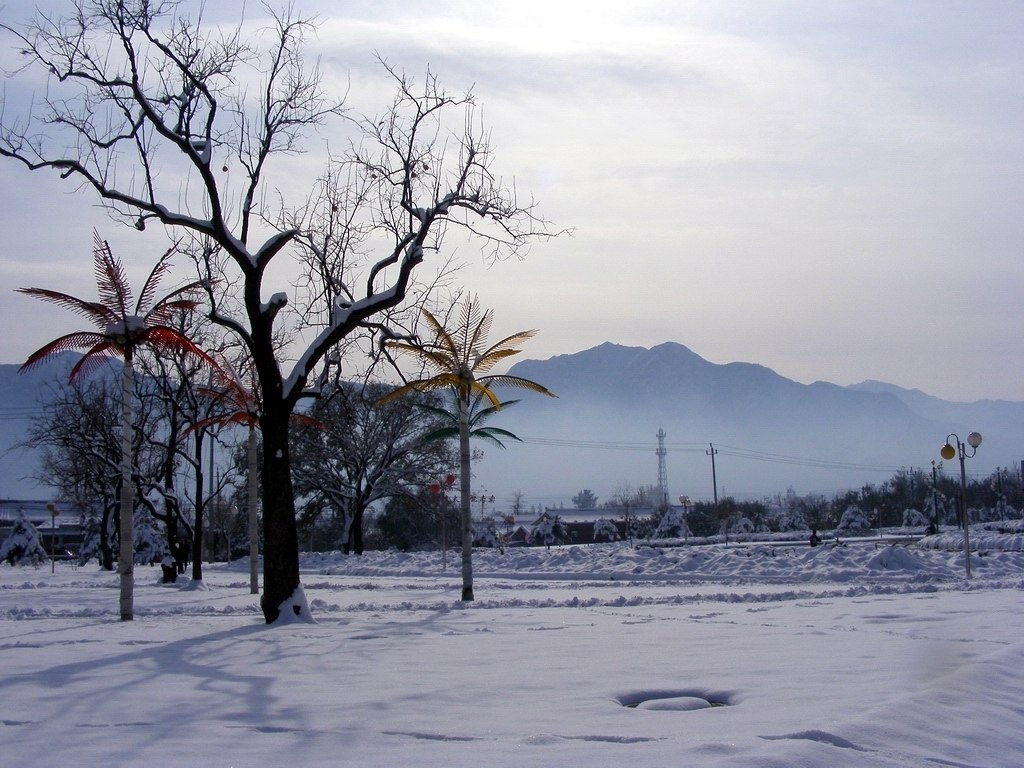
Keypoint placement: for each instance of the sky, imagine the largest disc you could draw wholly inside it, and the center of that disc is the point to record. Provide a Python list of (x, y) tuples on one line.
[(831, 190), (879, 657)]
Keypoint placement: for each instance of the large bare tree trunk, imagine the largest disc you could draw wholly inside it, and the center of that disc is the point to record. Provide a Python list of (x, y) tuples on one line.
[(126, 556), (282, 597)]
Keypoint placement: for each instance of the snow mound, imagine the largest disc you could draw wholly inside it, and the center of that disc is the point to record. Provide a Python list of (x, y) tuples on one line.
[(894, 559)]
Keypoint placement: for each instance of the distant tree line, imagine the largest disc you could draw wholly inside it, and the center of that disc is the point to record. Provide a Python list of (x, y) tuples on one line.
[(911, 497)]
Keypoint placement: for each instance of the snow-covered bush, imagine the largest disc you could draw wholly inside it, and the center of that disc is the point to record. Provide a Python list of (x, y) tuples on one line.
[(605, 530), (548, 530), (672, 525), (792, 512), (742, 526), (485, 533), (912, 518), (150, 543), (782, 517), (22, 546), (854, 519)]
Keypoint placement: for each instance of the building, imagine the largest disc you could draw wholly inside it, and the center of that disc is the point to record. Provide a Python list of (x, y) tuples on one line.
[(59, 533)]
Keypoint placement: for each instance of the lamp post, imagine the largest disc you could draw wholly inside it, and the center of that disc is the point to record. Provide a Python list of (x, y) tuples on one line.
[(684, 502), (54, 512), (439, 492), (948, 452)]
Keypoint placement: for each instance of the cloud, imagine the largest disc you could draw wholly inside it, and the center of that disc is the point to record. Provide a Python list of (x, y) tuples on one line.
[(769, 182)]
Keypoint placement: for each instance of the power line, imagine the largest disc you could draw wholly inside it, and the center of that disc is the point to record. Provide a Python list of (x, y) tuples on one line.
[(723, 450), (18, 413)]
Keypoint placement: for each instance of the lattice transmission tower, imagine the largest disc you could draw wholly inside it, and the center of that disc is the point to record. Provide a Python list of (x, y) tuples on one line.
[(662, 469)]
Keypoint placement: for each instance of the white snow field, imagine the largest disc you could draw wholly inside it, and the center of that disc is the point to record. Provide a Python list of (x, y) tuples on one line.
[(609, 655)]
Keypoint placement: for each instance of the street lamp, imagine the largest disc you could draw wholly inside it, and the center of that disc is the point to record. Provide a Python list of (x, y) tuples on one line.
[(54, 512), (684, 502), (436, 489), (948, 452)]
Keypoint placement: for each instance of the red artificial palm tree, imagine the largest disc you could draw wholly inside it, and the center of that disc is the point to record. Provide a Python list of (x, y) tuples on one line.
[(242, 408), (123, 329)]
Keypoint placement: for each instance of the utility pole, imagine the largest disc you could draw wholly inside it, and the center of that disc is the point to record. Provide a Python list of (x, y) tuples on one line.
[(714, 477)]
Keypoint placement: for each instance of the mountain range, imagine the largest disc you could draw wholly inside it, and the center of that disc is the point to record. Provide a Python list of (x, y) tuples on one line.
[(769, 433), (21, 398)]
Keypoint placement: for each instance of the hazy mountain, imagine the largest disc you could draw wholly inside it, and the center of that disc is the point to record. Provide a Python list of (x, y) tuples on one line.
[(770, 432), (22, 397)]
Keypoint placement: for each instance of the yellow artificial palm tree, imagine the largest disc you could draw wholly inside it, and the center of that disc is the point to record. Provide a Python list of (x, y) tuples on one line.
[(123, 330), (460, 361)]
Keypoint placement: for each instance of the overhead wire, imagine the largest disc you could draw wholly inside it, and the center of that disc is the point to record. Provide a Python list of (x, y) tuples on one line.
[(725, 450)]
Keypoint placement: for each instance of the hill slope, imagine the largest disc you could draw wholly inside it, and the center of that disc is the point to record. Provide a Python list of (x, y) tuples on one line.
[(770, 432)]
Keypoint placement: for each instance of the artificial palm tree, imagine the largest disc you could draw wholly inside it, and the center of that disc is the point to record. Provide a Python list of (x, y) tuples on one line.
[(123, 329), (460, 361), (242, 408)]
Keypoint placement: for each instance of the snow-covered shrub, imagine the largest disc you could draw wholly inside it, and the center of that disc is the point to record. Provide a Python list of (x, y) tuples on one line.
[(150, 543), (854, 519), (605, 530), (639, 526), (548, 530), (743, 526), (22, 546), (792, 512), (485, 533), (914, 519), (672, 525), (783, 517)]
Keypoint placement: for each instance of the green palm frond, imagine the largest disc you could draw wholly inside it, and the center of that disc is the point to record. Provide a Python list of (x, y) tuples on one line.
[(477, 416), (441, 433), (492, 434)]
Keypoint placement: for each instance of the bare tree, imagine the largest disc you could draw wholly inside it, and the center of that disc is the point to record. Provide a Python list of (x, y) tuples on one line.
[(142, 99), (80, 435), (189, 415), (359, 454), (81, 451)]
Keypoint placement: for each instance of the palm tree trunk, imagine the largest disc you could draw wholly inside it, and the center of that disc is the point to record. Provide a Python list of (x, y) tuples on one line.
[(254, 544), (467, 523), (200, 489), (126, 556)]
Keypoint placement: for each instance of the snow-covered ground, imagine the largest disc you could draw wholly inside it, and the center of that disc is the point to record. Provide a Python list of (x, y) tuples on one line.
[(761, 655)]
